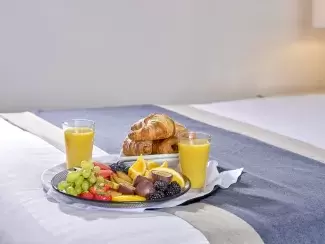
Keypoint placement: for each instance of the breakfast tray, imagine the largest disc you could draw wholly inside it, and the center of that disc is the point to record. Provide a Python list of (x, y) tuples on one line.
[(190, 196)]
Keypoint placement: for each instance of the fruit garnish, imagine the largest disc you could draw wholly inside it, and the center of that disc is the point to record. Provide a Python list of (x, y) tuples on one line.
[(112, 184), (128, 198), (72, 176), (152, 164), (105, 173), (124, 176), (103, 197), (118, 179), (78, 189), (86, 195), (138, 179), (126, 188), (87, 165), (172, 189), (144, 188), (92, 178), (93, 190), (114, 193), (97, 169), (106, 187), (160, 185), (85, 185), (156, 195), (63, 185), (100, 179), (158, 175), (164, 165), (102, 166), (71, 191), (119, 166), (138, 168), (176, 176), (148, 175), (79, 180), (86, 173)]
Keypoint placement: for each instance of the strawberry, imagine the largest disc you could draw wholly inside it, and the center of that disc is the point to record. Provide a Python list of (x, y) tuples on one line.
[(106, 187), (102, 166), (86, 195), (93, 190), (102, 197)]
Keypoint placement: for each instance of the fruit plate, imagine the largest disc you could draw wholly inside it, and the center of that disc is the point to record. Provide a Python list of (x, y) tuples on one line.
[(111, 204)]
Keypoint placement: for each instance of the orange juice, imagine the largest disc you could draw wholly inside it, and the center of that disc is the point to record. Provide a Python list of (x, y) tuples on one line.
[(194, 157), (79, 145)]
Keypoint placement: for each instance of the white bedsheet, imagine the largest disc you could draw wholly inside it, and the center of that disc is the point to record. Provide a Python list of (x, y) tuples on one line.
[(299, 117), (27, 217)]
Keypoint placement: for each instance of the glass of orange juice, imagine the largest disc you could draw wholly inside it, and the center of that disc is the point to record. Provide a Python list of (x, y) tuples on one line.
[(194, 150), (79, 141)]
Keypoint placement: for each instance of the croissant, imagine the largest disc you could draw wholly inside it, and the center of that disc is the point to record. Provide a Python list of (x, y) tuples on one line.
[(179, 128), (135, 148), (140, 123), (154, 127), (166, 146)]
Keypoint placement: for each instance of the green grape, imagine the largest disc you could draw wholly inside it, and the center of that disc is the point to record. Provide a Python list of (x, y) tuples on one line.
[(67, 185), (92, 179), (87, 165), (72, 176), (86, 173), (63, 185), (71, 191), (85, 185), (100, 179), (79, 181), (96, 169), (78, 189)]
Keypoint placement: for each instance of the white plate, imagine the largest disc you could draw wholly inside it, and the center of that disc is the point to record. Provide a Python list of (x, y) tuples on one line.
[(148, 157)]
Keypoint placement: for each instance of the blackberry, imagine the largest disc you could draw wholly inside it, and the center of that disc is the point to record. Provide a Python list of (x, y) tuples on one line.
[(173, 189), (120, 166), (156, 195), (160, 185), (113, 167)]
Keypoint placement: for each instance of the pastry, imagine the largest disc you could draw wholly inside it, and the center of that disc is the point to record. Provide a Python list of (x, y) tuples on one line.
[(137, 125), (135, 148), (166, 146), (153, 127), (179, 128)]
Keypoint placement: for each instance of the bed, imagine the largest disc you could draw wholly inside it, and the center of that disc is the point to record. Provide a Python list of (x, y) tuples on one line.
[(272, 203)]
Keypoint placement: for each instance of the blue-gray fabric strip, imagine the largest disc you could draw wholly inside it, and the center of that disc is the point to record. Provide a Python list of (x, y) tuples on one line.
[(281, 194)]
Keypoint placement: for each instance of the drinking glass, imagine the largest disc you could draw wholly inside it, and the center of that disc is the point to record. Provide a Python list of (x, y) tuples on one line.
[(79, 141), (194, 150)]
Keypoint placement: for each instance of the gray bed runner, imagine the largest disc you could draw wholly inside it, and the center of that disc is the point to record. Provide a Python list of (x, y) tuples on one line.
[(281, 194)]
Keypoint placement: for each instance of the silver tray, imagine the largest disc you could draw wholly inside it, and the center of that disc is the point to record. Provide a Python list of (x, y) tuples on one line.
[(129, 204)]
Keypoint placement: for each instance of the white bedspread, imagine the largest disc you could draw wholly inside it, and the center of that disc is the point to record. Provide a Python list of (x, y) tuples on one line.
[(299, 117), (27, 217)]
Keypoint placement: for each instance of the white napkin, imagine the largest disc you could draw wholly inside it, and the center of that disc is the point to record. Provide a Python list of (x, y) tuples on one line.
[(214, 178)]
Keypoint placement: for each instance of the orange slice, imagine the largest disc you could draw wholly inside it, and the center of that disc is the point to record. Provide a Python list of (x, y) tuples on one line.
[(176, 176), (147, 174), (164, 165), (152, 164), (138, 168)]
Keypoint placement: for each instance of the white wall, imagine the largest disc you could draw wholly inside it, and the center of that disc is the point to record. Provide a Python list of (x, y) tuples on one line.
[(96, 53)]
